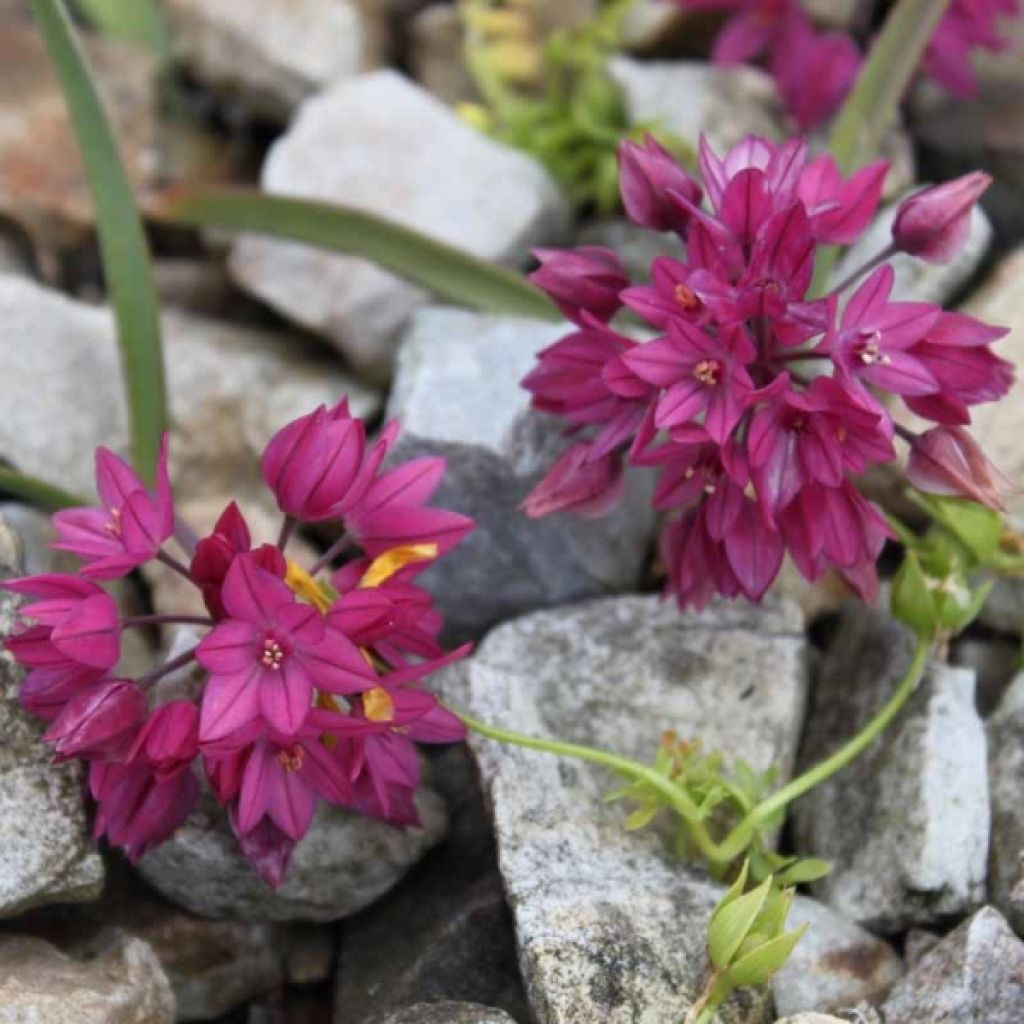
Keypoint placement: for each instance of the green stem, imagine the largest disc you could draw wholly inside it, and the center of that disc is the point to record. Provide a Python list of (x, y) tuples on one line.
[(677, 799), (740, 837), (738, 840)]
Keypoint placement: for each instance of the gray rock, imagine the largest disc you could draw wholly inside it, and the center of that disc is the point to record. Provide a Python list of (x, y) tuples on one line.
[(836, 964), (918, 795), (436, 41), (344, 863), (47, 854), (975, 974), (445, 1013), (610, 927), (725, 104), (1006, 782), (309, 954), (446, 932), (122, 985), (230, 389), (812, 1018), (382, 144), (916, 280), (995, 660), (457, 394), (917, 943), (274, 55)]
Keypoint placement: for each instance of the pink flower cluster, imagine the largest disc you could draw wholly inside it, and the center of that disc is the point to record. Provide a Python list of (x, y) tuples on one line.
[(815, 70), (310, 685), (757, 403)]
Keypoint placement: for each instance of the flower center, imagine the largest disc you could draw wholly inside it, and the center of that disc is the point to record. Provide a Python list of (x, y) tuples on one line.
[(686, 298), (871, 352), (378, 705), (273, 653), (114, 526), (290, 758), (708, 371)]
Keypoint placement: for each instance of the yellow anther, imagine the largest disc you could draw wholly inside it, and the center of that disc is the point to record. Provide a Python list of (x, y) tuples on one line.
[(383, 567), (307, 589), (378, 705)]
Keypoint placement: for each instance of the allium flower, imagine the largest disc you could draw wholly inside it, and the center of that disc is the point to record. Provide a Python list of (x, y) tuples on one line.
[(947, 460), (757, 404), (815, 71), (933, 224), (314, 686)]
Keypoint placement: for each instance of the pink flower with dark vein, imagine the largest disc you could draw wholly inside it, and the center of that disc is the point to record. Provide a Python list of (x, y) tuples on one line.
[(587, 279), (267, 657), (101, 722), (130, 527)]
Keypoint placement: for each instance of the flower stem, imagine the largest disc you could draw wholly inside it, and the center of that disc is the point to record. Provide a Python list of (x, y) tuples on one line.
[(166, 620), (331, 553), (287, 529), (722, 853), (168, 667), (864, 268), (708, 1001), (171, 562)]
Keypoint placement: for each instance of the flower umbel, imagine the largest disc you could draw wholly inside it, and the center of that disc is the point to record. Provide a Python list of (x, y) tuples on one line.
[(758, 403), (313, 688)]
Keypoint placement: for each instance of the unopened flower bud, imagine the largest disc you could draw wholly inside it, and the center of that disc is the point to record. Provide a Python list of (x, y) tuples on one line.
[(933, 225), (100, 722), (947, 460), (649, 178), (589, 279)]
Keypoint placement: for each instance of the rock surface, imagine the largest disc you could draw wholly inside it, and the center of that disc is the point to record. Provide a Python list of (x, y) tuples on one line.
[(975, 974), (122, 985), (435, 53), (919, 795), (610, 928), (344, 863), (1006, 781), (723, 103), (835, 965), (230, 389), (271, 54), (446, 932), (47, 856), (916, 280), (445, 1013), (382, 144), (457, 394)]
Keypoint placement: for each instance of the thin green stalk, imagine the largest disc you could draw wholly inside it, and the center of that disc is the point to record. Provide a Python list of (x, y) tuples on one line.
[(738, 840), (37, 492), (679, 801), (123, 247), (740, 837)]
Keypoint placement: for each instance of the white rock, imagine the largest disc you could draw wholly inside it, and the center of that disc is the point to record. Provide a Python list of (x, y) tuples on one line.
[(906, 826), (1006, 778), (916, 280), (382, 144), (610, 927), (457, 394), (689, 98), (837, 964), (230, 389), (46, 855), (272, 54), (123, 985)]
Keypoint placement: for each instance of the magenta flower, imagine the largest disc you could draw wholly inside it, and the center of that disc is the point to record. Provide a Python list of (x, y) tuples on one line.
[(652, 182), (933, 225), (99, 723), (947, 460), (313, 687), (268, 655), (588, 279), (313, 465), (966, 25), (755, 402), (130, 527)]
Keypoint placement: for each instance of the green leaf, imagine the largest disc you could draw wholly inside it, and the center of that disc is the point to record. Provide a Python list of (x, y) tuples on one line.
[(641, 817), (735, 890), (37, 492), (976, 527), (772, 919), (730, 923), (912, 600), (956, 615), (757, 967), (122, 241), (446, 271), (807, 870), (138, 21)]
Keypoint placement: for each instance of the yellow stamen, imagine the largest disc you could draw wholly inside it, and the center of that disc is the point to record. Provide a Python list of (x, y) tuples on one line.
[(307, 589), (378, 705), (383, 567)]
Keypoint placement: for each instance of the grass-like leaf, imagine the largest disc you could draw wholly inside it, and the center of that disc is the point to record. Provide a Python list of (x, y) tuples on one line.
[(36, 492), (449, 273), (122, 241), (138, 21)]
